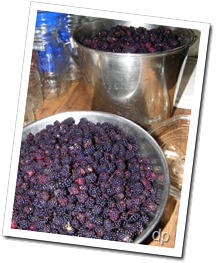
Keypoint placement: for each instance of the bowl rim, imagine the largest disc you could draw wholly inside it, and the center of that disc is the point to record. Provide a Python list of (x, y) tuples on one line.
[(172, 120)]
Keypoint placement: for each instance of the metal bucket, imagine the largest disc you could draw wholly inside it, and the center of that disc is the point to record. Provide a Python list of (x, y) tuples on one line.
[(140, 87)]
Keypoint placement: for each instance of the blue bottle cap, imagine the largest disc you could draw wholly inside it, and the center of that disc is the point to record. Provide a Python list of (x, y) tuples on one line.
[(47, 18)]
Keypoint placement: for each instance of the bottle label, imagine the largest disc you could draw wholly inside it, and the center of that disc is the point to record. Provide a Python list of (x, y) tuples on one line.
[(39, 46)]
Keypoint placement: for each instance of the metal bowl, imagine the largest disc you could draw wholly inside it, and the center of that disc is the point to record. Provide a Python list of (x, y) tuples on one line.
[(147, 147)]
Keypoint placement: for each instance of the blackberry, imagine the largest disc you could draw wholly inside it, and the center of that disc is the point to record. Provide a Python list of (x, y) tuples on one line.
[(14, 223), (101, 201), (106, 212), (89, 225), (54, 228), (121, 155), (52, 202), (118, 224), (90, 234), (90, 179), (87, 142), (80, 208), (82, 197), (104, 176), (151, 206), (98, 146), (96, 220), (34, 219), (110, 191), (99, 230), (109, 236), (116, 181), (70, 207), (73, 189), (89, 150), (119, 189), (96, 209), (81, 232), (89, 203), (120, 164), (67, 217), (136, 188), (88, 214), (121, 206), (84, 188), (57, 220), (44, 195), (41, 224), (131, 227), (119, 196), (89, 159), (41, 204), (110, 168), (28, 209), (81, 218), (146, 184), (144, 219), (71, 198), (114, 214), (23, 224), (33, 228), (94, 190), (150, 176), (59, 192), (139, 227), (60, 210), (97, 155), (125, 235), (108, 225), (107, 147), (75, 223), (80, 180), (135, 177), (133, 217), (115, 148), (63, 201)]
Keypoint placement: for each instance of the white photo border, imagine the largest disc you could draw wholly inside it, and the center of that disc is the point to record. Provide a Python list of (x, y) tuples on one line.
[(177, 250)]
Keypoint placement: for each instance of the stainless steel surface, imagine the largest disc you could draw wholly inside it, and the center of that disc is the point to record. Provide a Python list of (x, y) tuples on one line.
[(147, 147), (141, 87)]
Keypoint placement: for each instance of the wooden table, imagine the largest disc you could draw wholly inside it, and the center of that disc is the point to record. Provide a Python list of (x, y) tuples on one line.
[(79, 97)]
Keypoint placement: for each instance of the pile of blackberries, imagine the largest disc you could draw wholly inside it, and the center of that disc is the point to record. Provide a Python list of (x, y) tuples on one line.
[(86, 180), (125, 39)]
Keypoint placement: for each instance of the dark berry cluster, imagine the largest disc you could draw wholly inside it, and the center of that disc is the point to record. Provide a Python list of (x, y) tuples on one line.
[(86, 180), (124, 39)]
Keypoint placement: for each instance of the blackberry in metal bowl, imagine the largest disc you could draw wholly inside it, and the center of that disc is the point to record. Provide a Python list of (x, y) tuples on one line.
[(130, 39), (90, 174)]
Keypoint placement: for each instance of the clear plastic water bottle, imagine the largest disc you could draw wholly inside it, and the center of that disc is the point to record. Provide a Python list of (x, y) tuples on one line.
[(66, 24), (52, 60), (34, 100), (35, 89)]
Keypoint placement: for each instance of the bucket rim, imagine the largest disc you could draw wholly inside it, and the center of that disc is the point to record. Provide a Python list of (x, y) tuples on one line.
[(189, 42)]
